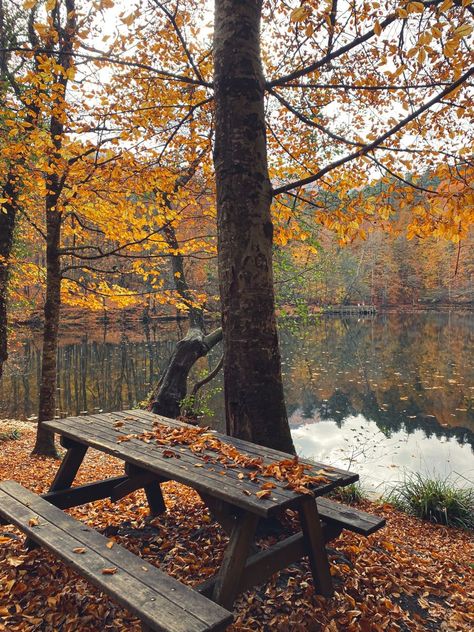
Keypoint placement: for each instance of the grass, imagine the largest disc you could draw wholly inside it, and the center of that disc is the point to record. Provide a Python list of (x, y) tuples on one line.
[(351, 494), (434, 499), (12, 435)]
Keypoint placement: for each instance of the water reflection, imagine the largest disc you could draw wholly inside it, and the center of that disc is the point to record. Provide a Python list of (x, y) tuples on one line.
[(407, 379)]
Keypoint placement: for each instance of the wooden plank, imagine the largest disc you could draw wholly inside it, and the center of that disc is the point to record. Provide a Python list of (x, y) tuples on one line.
[(349, 517), (246, 446), (69, 466), (235, 557), (160, 601), (314, 545), (335, 476), (147, 418), (82, 494)]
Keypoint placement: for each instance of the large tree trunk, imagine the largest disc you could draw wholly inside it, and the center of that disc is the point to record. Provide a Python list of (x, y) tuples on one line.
[(7, 225), (255, 405)]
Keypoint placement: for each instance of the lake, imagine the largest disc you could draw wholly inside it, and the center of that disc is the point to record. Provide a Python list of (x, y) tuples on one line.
[(382, 396)]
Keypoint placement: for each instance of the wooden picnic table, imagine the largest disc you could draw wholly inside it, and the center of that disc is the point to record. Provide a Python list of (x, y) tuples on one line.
[(222, 481)]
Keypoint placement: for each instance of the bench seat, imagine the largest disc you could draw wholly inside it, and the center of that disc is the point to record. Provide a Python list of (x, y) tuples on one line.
[(342, 516), (159, 601)]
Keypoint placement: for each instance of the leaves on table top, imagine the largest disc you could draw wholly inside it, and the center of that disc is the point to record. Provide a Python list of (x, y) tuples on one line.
[(295, 475)]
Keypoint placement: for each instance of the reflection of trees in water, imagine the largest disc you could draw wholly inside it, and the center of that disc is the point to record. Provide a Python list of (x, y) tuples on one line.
[(404, 372), (92, 375), (333, 369)]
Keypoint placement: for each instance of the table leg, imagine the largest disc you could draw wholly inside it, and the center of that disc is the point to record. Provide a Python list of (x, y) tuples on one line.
[(67, 472), (314, 545), (153, 493), (235, 557), (70, 464)]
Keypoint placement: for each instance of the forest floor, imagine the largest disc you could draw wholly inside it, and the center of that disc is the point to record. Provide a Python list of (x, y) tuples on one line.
[(411, 575)]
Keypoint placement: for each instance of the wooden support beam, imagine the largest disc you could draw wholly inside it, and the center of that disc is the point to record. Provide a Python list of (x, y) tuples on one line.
[(70, 464), (152, 488), (235, 556), (74, 496), (314, 545)]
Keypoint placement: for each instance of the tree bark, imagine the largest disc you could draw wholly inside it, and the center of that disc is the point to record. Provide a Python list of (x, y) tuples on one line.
[(173, 386), (7, 225), (47, 398), (255, 405), (58, 173)]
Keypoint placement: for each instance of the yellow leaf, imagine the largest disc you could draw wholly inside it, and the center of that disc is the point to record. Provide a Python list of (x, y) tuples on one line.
[(299, 14), (129, 19), (464, 30), (415, 7), (377, 28)]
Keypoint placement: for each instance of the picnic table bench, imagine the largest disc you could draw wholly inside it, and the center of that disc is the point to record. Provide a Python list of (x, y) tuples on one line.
[(162, 603), (231, 487)]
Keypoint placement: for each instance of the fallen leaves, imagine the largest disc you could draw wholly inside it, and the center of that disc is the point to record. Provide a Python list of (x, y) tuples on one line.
[(109, 571), (409, 576), (79, 550), (203, 443)]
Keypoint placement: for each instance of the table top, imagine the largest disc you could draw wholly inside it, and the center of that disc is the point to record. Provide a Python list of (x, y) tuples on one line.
[(238, 472)]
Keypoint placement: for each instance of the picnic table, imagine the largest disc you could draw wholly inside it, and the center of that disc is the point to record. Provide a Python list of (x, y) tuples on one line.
[(231, 495), (241, 483)]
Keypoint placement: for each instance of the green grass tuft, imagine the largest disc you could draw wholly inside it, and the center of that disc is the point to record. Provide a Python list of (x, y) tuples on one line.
[(351, 494), (12, 435), (437, 500)]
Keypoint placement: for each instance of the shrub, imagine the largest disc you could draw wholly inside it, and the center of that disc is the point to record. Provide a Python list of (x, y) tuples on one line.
[(436, 500)]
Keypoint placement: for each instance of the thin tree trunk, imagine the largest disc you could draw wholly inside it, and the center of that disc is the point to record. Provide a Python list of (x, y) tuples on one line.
[(255, 405), (47, 399), (7, 225)]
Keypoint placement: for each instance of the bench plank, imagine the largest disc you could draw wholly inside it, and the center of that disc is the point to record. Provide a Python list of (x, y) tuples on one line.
[(348, 517), (161, 602)]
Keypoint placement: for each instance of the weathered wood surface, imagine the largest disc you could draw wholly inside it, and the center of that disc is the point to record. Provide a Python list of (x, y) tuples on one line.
[(221, 482), (161, 602), (348, 517)]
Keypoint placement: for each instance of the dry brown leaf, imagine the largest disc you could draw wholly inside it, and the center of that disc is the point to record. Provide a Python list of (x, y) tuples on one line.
[(109, 571), (79, 550)]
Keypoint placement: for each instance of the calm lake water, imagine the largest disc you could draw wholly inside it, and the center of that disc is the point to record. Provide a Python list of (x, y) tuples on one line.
[(381, 396)]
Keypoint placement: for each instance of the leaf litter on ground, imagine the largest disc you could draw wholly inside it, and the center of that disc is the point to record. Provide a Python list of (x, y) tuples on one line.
[(409, 576)]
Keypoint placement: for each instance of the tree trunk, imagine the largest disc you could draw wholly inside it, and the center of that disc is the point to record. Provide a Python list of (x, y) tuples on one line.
[(7, 225), (173, 386), (47, 398), (255, 405)]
